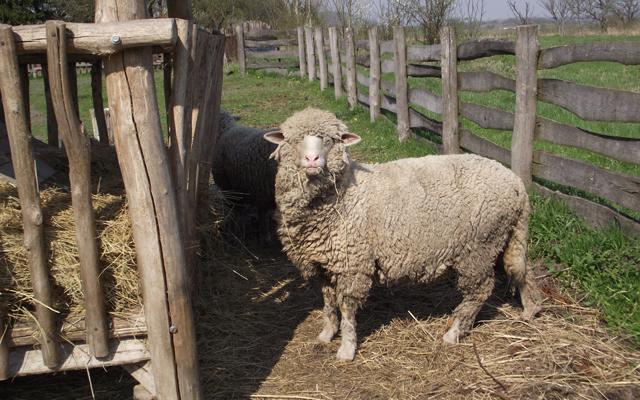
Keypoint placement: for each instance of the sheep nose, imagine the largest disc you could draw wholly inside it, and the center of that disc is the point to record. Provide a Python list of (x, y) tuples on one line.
[(313, 157)]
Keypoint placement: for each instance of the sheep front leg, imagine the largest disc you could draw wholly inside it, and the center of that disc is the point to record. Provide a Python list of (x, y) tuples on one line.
[(330, 313), (347, 350)]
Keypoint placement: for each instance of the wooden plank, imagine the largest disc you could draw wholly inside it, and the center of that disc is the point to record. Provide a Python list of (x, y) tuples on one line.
[(257, 44), (618, 188), (23, 163), (419, 120), (26, 361), (596, 215), (424, 52), (336, 67), (311, 59), (475, 144), (485, 48), (620, 148), (484, 81), (142, 155), (449, 64), (591, 103), (78, 148), (97, 39), (262, 35), (402, 89), (241, 55), (487, 117), (374, 75), (322, 62), (98, 104), (301, 55), (272, 64), (417, 70), (627, 53), (52, 124), (252, 55), (427, 100), (526, 97), (352, 96), (387, 46), (142, 372)]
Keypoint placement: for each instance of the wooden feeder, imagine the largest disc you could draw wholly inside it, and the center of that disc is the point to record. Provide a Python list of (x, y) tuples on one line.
[(163, 186)]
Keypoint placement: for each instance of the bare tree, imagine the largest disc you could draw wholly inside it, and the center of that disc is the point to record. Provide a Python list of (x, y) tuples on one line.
[(471, 13), (431, 15), (598, 11), (350, 12), (389, 14), (559, 10), (627, 10), (521, 14)]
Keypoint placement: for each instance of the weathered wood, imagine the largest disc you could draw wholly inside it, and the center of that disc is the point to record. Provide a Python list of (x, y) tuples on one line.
[(77, 147), (620, 148), (27, 361), (374, 75), (427, 100), (618, 188), (627, 53), (264, 35), (449, 64), (98, 104), (167, 83), (336, 67), (269, 44), (485, 48), (150, 194), (4, 346), (252, 55), (241, 56), (141, 393), (97, 39), (25, 83), (591, 103), (387, 46), (487, 117), (594, 214), (263, 64), (352, 95), (401, 87), (301, 54), (417, 70), (311, 59), (484, 81), (526, 95), (419, 120), (73, 85), (74, 329), (52, 125), (322, 62), (142, 372), (424, 52), (475, 144), (23, 165)]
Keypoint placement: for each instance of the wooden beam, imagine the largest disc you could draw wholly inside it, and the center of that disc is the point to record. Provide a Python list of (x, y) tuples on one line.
[(267, 44), (485, 48), (374, 75), (449, 65), (322, 62), (77, 147), (627, 53), (475, 144), (427, 100), (484, 81), (526, 97), (23, 165), (336, 67), (311, 60), (252, 55), (100, 39), (241, 56), (301, 54), (402, 89), (352, 96), (424, 52)]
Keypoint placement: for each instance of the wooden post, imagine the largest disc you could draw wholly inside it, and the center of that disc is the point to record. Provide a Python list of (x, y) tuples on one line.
[(301, 53), (153, 211), (23, 165), (241, 55), (374, 74), (73, 82), (449, 64), (402, 89), (25, 83), (4, 347), (322, 63), (352, 95), (98, 104), (336, 69), (311, 60), (526, 95), (52, 124)]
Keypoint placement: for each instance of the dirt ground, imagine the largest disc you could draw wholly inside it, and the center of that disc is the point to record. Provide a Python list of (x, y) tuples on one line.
[(257, 322)]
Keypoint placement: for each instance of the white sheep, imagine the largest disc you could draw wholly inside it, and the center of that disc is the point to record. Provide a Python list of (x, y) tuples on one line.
[(350, 223)]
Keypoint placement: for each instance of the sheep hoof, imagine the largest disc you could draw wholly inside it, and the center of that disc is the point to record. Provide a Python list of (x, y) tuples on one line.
[(326, 335), (346, 353), (453, 334)]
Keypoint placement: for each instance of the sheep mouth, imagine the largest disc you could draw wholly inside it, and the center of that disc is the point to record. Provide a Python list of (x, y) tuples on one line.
[(313, 171)]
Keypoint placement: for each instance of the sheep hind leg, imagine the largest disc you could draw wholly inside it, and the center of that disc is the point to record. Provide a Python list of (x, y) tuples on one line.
[(474, 294), (515, 265), (329, 314), (347, 350)]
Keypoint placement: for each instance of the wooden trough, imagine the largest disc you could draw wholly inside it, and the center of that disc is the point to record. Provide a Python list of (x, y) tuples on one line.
[(163, 183)]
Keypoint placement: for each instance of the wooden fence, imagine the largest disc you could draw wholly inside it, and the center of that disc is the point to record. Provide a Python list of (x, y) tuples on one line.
[(162, 186), (441, 61)]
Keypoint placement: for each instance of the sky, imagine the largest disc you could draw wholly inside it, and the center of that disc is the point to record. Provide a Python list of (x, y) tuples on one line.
[(498, 9)]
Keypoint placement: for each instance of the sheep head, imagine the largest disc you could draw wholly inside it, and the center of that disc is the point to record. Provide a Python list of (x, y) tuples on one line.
[(314, 142)]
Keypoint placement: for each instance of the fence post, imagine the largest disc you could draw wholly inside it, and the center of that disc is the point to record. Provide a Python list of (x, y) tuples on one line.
[(526, 95), (352, 95), (24, 81), (449, 64), (322, 63), (301, 54), (240, 39), (374, 74), (98, 104), (311, 60), (336, 69), (52, 124), (402, 90)]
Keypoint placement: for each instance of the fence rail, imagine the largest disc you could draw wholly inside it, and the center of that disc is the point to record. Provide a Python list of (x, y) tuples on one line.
[(587, 102)]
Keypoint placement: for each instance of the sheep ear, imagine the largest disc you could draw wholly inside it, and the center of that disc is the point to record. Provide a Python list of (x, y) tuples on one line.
[(350, 139), (274, 137)]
